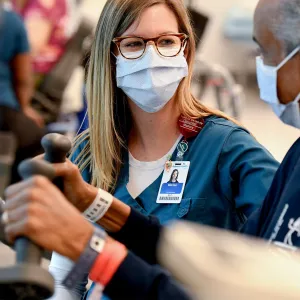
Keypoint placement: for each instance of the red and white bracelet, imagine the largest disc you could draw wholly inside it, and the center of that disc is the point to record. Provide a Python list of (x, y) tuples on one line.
[(105, 266)]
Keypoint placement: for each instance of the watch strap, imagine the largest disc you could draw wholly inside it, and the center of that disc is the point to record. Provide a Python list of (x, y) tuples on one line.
[(87, 259)]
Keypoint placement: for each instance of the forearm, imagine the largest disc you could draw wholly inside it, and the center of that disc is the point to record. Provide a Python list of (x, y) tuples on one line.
[(137, 232), (23, 78), (116, 217), (24, 92)]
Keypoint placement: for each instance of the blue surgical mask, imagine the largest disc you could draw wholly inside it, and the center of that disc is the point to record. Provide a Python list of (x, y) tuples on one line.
[(267, 82), (152, 80)]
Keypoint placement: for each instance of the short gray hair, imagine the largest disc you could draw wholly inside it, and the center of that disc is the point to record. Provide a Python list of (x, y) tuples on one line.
[(287, 27)]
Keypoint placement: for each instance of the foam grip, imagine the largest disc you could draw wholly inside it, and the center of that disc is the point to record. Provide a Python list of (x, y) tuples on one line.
[(29, 168), (56, 147)]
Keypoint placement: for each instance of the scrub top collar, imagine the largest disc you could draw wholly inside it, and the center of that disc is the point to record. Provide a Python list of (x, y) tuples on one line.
[(124, 173)]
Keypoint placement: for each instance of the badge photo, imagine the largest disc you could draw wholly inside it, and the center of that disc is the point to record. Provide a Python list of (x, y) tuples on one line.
[(173, 182)]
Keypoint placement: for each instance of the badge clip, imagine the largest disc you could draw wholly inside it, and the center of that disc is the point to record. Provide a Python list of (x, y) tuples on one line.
[(182, 148), (168, 165)]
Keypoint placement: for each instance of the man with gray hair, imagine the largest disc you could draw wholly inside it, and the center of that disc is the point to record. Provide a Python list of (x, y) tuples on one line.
[(277, 33)]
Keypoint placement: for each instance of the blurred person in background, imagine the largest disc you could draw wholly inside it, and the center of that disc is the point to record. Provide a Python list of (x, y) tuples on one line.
[(16, 87), (47, 24)]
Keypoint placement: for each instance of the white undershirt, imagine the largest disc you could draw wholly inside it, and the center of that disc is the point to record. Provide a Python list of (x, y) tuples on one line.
[(142, 174)]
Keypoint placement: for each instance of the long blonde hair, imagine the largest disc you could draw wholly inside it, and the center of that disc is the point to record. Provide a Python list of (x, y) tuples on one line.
[(108, 111)]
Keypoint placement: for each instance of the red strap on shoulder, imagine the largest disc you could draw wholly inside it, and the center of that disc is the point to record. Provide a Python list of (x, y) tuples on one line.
[(189, 127)]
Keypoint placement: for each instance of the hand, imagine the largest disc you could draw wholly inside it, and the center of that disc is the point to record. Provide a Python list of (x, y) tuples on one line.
[(82, 195), (37, 209), (76, 190), (34, 116)]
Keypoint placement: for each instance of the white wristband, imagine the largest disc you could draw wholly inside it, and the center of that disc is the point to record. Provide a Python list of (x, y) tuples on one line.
[(99, 207)]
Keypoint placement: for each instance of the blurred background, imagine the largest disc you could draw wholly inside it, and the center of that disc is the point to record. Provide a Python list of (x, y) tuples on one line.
[(224, 76)]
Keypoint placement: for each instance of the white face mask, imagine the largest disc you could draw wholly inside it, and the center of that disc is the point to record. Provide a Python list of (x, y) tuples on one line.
[(152, 80), (267, 82)]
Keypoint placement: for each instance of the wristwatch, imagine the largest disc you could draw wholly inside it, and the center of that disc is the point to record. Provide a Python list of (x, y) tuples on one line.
[(86, 260)]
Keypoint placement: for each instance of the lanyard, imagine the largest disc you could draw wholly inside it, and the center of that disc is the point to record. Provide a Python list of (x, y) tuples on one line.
[(189, 128)]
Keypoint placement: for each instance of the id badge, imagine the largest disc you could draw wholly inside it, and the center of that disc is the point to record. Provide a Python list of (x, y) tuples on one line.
[(173, 182)]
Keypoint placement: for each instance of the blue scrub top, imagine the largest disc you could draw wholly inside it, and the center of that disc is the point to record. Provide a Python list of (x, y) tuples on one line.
[(230, 174), (13, 42)]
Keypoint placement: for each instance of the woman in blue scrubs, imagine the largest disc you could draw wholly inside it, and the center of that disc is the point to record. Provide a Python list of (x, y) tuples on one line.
[(143, 117)]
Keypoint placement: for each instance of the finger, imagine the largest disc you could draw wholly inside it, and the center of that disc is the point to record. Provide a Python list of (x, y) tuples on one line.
[(39, 157), (17, 200), (34, 181), (4, 218), (2, 202), (29, 195), (64, 169), (17, 214), (16, 188), (46, 195), (16, 229)]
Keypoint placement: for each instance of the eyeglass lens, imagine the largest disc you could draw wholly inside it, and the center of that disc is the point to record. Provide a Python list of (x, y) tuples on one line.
[(134, 47)]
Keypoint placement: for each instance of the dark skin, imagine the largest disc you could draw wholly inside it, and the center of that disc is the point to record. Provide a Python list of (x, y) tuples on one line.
[(273, 51)]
